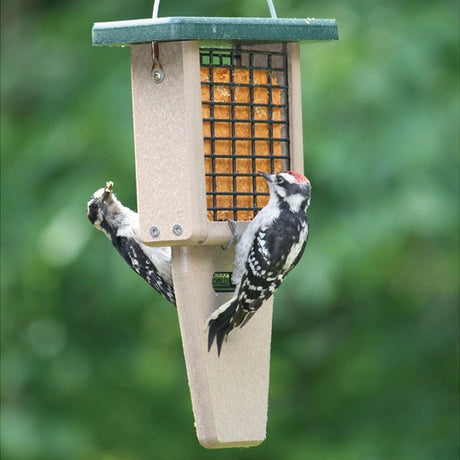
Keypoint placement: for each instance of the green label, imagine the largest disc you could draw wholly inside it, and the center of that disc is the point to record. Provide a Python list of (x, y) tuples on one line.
[(222, 282)]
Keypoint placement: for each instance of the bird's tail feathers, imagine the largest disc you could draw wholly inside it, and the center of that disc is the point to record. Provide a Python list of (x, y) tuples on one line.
[(221, 322)]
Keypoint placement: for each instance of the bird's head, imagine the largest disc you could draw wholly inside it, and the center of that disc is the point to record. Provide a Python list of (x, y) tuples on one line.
[(290, 188), (99, 204)]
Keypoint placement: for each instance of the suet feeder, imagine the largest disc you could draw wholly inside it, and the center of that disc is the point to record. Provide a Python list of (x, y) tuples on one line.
[(215, 101)]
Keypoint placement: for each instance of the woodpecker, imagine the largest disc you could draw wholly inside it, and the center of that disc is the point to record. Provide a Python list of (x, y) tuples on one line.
[(269, 248), (121, 225)]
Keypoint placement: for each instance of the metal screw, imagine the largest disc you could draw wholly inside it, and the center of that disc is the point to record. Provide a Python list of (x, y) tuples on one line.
[(158, 76), (154, 231), (177, 230)]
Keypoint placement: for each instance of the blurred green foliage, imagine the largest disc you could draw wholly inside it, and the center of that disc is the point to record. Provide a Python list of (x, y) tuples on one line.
[(365, 335)]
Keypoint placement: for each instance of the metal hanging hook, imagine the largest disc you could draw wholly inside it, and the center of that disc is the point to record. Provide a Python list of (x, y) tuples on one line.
[(156, 7), (157, 71), (271, 7)]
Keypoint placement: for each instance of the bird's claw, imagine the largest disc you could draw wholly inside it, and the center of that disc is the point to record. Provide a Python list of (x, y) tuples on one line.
[(235, 235)]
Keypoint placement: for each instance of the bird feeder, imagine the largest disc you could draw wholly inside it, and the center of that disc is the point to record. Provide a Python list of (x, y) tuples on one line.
[(215, 101)]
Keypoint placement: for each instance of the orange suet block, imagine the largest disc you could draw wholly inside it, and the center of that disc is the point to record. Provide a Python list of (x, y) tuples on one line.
[(239, 113)]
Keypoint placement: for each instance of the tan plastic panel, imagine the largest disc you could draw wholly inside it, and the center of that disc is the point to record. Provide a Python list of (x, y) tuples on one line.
[(168, 137), (230, 392), (295, 108)]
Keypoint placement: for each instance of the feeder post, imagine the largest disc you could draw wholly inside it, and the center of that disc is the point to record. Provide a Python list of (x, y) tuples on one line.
[(229, 392)]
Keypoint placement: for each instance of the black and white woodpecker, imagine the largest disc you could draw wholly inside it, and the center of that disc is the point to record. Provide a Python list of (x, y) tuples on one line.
[(121, 225), (269, 248)]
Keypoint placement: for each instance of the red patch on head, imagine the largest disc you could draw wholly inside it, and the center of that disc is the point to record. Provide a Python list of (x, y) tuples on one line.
[(298, 177)]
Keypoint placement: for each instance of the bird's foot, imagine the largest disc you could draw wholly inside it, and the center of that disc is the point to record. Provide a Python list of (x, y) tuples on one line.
[(235, 235)]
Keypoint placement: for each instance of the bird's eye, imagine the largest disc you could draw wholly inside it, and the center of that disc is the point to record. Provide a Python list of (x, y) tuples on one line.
[(280, 180), (94, 206)]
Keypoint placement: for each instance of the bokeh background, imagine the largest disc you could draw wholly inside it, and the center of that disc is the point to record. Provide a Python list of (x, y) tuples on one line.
[(365, 335)]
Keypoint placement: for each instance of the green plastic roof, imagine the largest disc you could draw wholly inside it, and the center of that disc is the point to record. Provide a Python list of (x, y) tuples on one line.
[(208, 28)]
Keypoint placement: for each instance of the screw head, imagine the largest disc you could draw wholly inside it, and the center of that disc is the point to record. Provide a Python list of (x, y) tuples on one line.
[(154, 231), (158, 76), (177, 229)]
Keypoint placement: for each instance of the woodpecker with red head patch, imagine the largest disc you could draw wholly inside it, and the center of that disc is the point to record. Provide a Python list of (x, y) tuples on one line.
[(121, 225), (266, 252)]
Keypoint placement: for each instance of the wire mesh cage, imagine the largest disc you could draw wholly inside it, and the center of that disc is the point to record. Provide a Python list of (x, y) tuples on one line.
[(246, 127)]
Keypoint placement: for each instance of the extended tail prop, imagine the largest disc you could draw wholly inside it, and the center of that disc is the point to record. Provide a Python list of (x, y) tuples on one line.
[(221, 322)]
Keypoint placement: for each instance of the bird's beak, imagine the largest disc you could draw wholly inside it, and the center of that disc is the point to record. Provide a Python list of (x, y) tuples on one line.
[(107, 190), (268, 177), (108, 187)]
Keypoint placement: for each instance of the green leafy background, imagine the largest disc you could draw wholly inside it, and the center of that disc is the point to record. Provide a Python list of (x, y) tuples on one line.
[(365, 335)]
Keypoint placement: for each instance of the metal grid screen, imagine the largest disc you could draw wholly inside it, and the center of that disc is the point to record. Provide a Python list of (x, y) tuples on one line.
[(245, 125)]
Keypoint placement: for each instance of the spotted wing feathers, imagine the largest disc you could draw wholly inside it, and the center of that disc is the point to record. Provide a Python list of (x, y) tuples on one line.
[(143, 266)]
